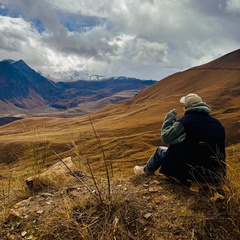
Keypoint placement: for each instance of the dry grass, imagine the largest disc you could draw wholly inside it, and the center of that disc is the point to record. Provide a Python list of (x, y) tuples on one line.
[(107, 214), (233, 185), (129, 133), (88, 219), (121, 215)]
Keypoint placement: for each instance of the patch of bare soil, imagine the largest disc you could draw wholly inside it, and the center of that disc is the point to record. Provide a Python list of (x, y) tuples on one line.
[(141, 207)]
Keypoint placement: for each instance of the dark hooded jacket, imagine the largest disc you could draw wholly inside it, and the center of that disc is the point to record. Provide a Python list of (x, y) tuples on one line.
[(197, 146)]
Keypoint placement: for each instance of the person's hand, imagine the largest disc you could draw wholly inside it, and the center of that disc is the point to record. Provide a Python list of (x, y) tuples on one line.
[(173, 111)]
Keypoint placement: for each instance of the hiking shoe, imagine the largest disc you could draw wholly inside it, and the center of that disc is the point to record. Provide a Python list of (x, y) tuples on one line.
[(139, 170)]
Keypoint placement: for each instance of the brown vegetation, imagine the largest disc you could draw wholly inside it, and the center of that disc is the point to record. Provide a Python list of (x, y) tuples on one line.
[(129, 133)]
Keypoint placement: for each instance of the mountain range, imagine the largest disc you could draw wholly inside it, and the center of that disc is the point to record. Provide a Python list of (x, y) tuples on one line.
[(24, 92), (72, 76), (118, 137), (217, 82)]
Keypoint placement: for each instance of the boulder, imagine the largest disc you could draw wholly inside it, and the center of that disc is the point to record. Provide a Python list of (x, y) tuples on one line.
[(57, 176), (20, 209)]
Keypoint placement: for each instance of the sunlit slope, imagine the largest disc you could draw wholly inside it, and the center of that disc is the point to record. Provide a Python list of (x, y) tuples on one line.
[(130, 130), (219, 87)]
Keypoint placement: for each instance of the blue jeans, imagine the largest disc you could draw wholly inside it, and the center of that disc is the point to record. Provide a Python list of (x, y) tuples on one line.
[(155, 161)]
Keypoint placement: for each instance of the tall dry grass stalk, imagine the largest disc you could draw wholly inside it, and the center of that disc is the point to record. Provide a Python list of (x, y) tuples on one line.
[(12, 189), (81, 181), (100, 197), (101, 214), (5, 195), (104, 160), (232, 187), (39, 153)]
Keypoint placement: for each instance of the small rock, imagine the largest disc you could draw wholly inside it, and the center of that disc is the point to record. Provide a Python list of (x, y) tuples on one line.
[(147, 215), (30, 237), (40, 211), (153, 189), (155, 182), (165, 198), (46, 194), (20, 209), (217, 197), (194, 189), (147, 197), (157, 200), (24, 233)]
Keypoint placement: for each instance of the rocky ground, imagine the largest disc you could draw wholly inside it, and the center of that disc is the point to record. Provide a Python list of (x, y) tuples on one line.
[(138, 207)]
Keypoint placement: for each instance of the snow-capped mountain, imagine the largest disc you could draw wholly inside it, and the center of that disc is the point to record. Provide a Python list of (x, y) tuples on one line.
[(74, 75), (25, 91)]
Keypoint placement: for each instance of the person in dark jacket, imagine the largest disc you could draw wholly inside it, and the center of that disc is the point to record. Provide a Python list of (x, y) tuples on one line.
[(196, 142)]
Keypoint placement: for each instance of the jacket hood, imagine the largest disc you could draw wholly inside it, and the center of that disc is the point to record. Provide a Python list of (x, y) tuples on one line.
[(199, 107)]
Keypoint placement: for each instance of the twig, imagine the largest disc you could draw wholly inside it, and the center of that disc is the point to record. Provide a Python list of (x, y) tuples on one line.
[(73, 174), (192, 237), (91, 172), (104, 158)]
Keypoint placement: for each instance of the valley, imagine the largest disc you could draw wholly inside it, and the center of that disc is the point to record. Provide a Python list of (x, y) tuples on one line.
[(129, 131)]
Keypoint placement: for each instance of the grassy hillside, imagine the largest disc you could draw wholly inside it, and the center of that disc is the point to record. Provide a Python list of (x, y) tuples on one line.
[(129, 132)]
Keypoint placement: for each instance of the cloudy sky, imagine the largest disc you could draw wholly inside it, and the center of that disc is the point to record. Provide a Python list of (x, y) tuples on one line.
[(146, 39)]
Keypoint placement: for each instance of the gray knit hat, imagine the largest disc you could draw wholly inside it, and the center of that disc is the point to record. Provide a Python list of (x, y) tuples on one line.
[(190, 99)]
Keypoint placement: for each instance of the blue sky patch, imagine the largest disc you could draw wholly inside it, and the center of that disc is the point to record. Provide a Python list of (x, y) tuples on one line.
[(80, 23)]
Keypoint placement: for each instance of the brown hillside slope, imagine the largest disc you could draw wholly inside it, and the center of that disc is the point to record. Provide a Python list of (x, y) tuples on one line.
[(137, 121), (218, 82), (129, 133)]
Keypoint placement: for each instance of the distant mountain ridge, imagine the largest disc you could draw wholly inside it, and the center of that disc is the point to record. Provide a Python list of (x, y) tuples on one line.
[(26, 92), (17, 79), (72, 76)]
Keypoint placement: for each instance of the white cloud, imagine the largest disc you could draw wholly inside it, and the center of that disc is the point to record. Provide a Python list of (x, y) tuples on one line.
[(139, 38), (233, 6), (145, 52), (12, 38)]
